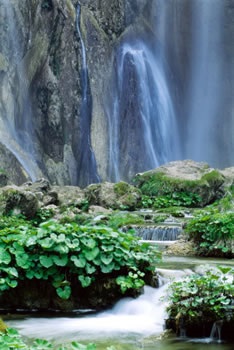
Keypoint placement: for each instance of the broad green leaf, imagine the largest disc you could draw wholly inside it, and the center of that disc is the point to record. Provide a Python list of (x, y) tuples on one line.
[(46, 261), (73, 244), (12, 271), (79, 261), (64, 292), (107, 268), (91, 254), (60, 260), (106, 258), (12, 283), (22, 260), (46, 242), (90, 269), (5, 257), (85, 280), (61, 248), (40, 344), (88, 242)]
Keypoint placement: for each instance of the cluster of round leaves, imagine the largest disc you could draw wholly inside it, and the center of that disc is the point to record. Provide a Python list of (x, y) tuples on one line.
[(11, 339), (209, 296), (59, 253), (212, 231), (175, 199)]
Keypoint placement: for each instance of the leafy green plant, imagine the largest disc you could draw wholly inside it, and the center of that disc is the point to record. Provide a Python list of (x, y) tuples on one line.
[(177, 199), (208, 297), (119, 219), (61, 253), (213, 232), (11, 339)]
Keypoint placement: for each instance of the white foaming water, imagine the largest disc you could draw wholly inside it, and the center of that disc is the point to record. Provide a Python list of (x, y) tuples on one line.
[(141, 316)]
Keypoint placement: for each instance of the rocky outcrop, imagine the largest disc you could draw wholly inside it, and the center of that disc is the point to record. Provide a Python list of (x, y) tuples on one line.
[(116, 196), (183, 176)]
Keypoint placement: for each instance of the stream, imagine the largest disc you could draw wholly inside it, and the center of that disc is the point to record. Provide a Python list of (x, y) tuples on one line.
[(131, 324)]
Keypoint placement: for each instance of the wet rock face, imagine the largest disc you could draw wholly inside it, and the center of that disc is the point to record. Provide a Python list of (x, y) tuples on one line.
[(40, 74), (48, 104)]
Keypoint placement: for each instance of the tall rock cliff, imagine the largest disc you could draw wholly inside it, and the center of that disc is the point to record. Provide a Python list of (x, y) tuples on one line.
[(43, 130)]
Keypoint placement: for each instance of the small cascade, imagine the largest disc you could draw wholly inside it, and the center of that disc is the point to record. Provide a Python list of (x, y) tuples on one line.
[(142, 316), (158, 233), (141, 118), (216, 331), (86, 162)]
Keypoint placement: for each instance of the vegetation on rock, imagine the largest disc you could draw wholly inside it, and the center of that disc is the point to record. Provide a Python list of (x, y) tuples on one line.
[(213, 233), (197, 192), (208, 297)]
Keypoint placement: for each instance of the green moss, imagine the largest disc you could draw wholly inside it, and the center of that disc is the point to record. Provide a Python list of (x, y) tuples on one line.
[(158, 184), (211, 177), (121, 188)]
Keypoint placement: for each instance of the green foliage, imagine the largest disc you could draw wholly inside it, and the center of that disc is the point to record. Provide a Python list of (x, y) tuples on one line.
[(121, 188), (11, 339), (84, 205), (42, 215), (208, 297), (60, 253), (158, 184), (119, 219), (213, 232), (176, 199)]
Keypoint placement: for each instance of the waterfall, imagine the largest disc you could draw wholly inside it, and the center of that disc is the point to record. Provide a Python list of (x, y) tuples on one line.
[(158, 233), (142, 316), (15, 111), (87, 167), (206, 89), (216, 331), (141, 118)]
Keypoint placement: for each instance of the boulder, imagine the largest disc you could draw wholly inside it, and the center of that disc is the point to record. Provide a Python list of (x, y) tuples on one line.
[(116, 196), (183, 176), (69, 196), (16, 200)]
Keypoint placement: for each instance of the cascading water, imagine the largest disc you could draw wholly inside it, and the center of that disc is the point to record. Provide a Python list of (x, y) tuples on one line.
[(206, 88), (15, 116), (137, 317), (207, 138), (87, 168), (142, 125), (158, 233)]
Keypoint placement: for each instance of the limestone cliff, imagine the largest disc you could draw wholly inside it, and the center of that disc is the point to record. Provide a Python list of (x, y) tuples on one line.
[(41, 67)]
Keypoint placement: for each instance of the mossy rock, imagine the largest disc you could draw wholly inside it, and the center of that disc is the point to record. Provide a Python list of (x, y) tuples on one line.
[(116, 196), (183, 176), (15, 200)]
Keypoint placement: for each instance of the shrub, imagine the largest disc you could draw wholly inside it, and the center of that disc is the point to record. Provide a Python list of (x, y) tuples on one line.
[(213, 232), (208, 297)]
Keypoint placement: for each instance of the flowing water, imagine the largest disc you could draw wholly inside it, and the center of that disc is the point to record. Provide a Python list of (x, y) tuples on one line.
[(131, 324), (86, 162), (141, 117), (16, 131), (206, 90)]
